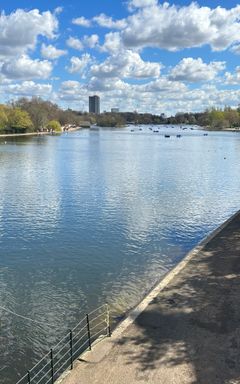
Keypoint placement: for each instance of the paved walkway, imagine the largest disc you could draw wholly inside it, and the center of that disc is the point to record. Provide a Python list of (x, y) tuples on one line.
[(189, 333)]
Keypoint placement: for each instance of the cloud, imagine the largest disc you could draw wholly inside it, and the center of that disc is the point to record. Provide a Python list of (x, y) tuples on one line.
[(91, 41), (108, 22), (87, 41), (26, 68), (123, 76), (164, 85), (102, 20), (233, 78), (73, 94), (175, 28), (51, 52), (98, 84), (126, 64), (236, 49), (19, 30), (132, 4), (195, 70), (82, 21), (29, 88), (143, 97), (112, 43), (72, 90), (80, 65), (74, 43), (157, 96), (58, 10), (70, 85)]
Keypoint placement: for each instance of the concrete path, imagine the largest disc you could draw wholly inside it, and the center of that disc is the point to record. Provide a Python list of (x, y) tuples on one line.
[(189, 333)]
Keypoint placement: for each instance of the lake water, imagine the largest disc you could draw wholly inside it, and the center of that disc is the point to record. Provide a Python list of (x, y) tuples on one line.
[(100, 215)]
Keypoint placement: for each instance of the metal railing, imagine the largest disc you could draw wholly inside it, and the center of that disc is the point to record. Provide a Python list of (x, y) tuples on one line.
[(69, 348)]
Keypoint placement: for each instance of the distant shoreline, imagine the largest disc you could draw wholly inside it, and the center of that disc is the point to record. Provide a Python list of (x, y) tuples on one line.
[(78, 128), (24, 134), (36, 133)]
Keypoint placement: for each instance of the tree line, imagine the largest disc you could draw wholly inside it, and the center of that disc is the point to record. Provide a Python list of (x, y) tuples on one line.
[(36, 114), (214, 118)]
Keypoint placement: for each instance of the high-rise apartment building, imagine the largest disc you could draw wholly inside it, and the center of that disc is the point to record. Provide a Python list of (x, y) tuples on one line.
[(94, 104)]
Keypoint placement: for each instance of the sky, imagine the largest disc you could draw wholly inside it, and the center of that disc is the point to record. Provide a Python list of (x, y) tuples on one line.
[(137, 55)]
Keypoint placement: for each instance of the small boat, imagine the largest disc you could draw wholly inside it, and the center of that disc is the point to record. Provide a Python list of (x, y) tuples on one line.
[(178, 136), (205, 134), (167, 136)]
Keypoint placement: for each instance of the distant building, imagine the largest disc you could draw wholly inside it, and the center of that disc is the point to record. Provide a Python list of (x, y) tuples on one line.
[(114, 110), (94, 104)]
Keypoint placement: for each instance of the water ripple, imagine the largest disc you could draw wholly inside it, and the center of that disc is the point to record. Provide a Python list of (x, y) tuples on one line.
[(100, 216)]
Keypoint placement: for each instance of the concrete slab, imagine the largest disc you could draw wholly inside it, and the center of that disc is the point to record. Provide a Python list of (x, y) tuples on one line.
[(189, 330)]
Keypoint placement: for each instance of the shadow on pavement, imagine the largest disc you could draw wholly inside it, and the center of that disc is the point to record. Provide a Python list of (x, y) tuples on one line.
[(196, 319)]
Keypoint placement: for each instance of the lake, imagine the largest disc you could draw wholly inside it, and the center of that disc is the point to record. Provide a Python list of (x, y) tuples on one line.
[(99, 216)]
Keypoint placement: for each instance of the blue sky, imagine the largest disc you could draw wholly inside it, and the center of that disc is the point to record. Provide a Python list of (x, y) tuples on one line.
[(144, 55)]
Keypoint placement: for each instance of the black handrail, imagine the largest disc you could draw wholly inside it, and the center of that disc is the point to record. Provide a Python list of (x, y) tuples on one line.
[(61, 357)]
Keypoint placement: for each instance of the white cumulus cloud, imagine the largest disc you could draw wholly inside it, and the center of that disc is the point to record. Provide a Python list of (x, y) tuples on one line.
[(233, 78), (19, 31), (24, 68), (51, 52), (113, 84), (175, 28), (108, 22), (163, 85), (112, 43), (58, 10), (195, 70), (74, 43), (72, 90), (91, 41), (82, 21), (236, 49), (126, 64), (80, 65), (29, 88), (141, 3)]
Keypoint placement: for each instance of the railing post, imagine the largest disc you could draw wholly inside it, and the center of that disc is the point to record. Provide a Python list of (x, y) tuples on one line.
[(52, 366), (71, 348), (89, 333), (52, 354), (108, 321), (28, 376)]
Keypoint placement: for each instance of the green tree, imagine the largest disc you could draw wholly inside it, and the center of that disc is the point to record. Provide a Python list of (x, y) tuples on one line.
[(40, 111), (19, 121), (3, 119), (110, 120), (232, 116), (217, 119), (54, 125)]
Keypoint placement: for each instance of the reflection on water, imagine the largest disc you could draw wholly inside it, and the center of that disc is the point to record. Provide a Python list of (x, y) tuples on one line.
[(97, 216)]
